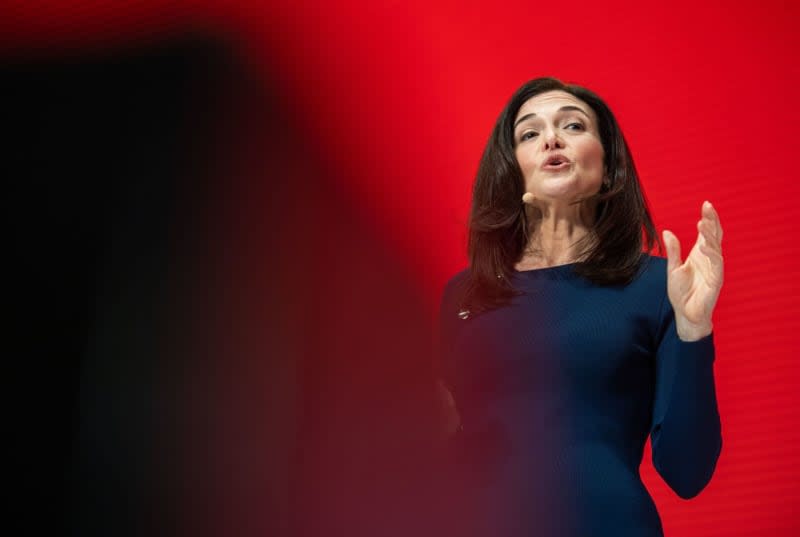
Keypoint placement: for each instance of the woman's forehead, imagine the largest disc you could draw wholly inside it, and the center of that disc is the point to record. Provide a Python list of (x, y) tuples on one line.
[(549, 102)]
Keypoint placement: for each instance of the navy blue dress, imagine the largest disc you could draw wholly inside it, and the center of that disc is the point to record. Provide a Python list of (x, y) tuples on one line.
[(557, 393)]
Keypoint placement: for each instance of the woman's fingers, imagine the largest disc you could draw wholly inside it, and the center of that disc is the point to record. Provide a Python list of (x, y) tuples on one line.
[(713, 255), (710, 212), (709, 238), (707, 229)]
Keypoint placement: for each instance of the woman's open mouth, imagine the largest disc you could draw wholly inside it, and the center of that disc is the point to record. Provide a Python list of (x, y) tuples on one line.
[(556, 166), (556, 162)]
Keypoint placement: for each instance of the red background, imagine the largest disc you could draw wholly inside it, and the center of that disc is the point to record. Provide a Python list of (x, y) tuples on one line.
[(399, 99)]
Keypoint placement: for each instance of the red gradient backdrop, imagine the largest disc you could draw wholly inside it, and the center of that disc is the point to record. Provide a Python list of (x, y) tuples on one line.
[(400, 97)]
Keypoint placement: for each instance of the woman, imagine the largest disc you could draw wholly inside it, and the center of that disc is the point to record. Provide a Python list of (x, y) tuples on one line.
[(564, 345)]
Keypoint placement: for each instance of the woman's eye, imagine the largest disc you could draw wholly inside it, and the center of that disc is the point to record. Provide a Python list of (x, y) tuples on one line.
[(575, 126), (528, 135)]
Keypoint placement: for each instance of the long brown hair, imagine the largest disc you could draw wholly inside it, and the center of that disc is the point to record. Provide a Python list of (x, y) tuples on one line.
[(498, 225)]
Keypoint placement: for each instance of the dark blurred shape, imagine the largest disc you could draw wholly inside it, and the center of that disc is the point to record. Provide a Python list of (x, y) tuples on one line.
[(103, 175), (208, 339)]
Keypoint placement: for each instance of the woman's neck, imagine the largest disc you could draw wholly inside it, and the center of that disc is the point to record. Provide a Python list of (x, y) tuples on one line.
[(554, 235)]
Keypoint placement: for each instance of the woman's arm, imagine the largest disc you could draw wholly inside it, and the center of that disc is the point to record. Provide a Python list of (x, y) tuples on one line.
[(448, 326), (686, 433)]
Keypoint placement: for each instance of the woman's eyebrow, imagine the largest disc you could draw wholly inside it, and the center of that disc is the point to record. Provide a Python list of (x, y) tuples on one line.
[(567, 108)]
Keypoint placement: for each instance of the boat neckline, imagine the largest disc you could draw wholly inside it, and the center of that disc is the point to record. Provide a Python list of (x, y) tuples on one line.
[(554, 268)]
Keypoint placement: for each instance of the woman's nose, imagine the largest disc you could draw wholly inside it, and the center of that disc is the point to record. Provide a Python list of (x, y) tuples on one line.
[(551, 140)]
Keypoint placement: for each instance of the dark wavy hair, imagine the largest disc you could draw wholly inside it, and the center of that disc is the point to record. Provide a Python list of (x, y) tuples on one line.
[(499, 227)]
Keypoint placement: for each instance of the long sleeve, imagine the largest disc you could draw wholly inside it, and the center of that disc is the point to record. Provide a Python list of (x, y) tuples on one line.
[(686, 432)]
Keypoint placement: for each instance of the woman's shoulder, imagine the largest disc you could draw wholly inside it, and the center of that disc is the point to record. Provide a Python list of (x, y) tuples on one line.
[(454, 287), (457, 279), (651, 280), (652, 267)]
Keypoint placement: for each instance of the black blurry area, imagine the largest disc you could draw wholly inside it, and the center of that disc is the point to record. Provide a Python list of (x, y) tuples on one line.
[(207, 339), (107, 169)]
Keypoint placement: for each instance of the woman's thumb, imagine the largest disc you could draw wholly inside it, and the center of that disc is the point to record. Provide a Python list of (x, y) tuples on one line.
[(673, 247)]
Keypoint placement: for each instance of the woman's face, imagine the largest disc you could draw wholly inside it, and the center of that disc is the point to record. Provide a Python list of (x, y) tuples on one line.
[(558, 147)]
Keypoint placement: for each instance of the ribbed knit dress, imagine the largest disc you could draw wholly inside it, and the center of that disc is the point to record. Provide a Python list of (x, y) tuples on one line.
[(557, 394)]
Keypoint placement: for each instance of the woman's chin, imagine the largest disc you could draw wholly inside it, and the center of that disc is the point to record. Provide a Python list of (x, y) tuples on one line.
[(564, 189)]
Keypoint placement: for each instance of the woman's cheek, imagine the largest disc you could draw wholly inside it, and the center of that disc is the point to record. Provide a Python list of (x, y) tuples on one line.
[(528, 169)]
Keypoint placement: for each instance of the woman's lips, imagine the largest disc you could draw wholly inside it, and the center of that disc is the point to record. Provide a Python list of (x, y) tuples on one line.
[(556, 167)]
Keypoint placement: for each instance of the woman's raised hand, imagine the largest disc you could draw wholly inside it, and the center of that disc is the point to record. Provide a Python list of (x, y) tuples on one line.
[(693, 286)]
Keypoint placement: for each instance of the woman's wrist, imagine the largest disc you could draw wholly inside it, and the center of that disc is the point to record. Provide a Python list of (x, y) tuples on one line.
[(688, 331)]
